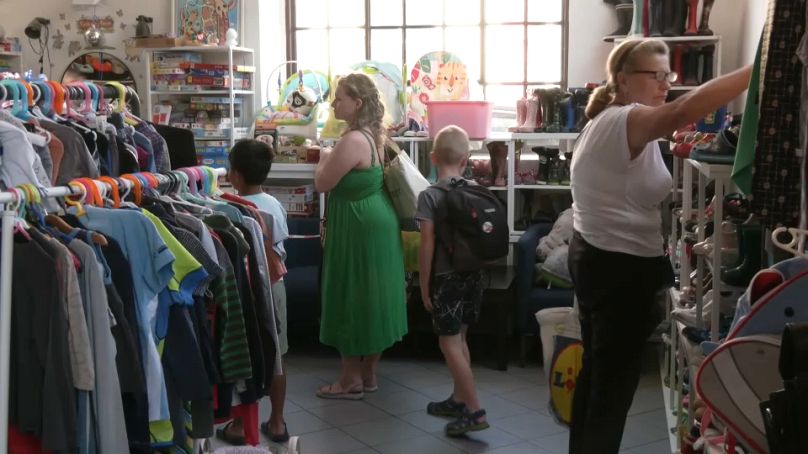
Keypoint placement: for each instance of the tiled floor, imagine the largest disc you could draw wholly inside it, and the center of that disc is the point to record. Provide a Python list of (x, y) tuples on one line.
[(394, 419)]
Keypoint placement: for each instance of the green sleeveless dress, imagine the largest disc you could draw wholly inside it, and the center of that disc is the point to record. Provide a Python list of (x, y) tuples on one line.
[(363, 290)]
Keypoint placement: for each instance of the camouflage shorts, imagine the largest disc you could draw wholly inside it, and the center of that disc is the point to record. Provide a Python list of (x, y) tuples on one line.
[(456, 301)]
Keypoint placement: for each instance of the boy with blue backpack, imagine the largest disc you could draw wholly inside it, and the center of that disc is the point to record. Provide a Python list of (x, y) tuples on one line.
[(463, 229)]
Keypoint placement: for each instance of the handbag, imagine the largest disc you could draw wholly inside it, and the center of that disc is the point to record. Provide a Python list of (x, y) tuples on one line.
[(403, 181)]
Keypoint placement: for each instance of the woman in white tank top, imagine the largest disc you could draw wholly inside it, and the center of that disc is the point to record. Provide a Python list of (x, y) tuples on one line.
[(616, 256)]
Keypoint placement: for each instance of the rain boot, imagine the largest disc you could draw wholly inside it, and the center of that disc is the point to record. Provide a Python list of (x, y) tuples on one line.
[(675, 14), (624, 14), (499, 162), (704, 25), (549, 107), (752, 243), (533, 116), (707, 53), (636, 21), (567, 111), (656, 16), (692, 17), (646, 16), (691, 67)]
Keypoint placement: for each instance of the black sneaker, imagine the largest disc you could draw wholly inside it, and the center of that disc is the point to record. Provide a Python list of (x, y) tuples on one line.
[(446, 407)]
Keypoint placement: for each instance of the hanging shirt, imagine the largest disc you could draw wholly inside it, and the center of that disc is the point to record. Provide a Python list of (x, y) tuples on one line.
[(20, 164), (187, 275), (41, 395), (77, 161), (57, 151), (268, 314), (162, 161), (151, 266), (280, 229), (106, 397), (78, 340)]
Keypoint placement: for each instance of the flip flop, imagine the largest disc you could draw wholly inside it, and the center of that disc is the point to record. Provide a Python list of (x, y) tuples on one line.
[(282, 438), (344, 395), (370, 389)]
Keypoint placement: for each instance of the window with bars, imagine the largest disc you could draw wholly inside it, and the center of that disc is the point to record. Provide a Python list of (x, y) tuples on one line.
[(507, 45)]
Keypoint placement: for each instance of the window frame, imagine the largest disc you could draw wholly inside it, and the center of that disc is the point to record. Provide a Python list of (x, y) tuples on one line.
[(525, 83)]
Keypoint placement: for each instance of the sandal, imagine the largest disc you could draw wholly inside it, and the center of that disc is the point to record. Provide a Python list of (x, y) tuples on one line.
[(282, 438), (223, 434), (446, 407), (468, 422), (328, 392)]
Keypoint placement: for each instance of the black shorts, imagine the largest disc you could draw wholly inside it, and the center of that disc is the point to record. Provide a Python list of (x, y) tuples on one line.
[(456, 301)]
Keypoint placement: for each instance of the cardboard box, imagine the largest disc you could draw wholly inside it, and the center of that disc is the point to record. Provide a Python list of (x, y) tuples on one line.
[(161, 41)]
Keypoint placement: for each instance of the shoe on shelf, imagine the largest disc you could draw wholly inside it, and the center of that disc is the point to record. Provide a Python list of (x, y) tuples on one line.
[(721, 150), (739, 276)]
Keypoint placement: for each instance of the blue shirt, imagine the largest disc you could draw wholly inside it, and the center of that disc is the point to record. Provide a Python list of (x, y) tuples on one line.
[(151, 263), (271, 206)]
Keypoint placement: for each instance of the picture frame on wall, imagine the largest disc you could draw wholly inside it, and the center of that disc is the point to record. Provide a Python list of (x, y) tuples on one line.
[(206, 21)]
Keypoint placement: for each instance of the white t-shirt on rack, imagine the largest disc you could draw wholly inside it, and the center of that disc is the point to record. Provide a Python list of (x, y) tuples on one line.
[(616, 199)]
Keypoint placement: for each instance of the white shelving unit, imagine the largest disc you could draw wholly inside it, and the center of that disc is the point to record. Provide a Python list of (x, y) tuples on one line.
[(14, 59), (224, 55), (683, 357), (553, 139)]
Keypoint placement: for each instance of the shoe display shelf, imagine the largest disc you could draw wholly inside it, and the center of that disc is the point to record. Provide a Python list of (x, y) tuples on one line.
[(682, 356), (417, 148)]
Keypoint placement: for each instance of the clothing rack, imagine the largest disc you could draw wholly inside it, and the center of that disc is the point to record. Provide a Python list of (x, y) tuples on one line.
[(74, 91), (9, 203)]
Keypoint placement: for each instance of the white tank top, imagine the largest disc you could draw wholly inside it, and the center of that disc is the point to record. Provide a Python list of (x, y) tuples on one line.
[(615, 199)]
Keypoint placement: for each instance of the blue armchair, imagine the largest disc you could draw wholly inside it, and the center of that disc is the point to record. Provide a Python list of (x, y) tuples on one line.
[(532, 298), (303, 257)]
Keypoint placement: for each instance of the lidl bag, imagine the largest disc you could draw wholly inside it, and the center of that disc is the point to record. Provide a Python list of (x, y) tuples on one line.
[(563, 356), (404, 182)]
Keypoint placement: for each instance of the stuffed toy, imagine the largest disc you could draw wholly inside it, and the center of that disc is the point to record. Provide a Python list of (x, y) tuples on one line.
[(301, 101), (561, 234)]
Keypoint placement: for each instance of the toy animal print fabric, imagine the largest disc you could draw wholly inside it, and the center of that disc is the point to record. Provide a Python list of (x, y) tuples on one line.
[(437, 76)]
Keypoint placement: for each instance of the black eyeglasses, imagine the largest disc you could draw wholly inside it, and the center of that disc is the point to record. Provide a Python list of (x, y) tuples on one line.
[(661, 76)]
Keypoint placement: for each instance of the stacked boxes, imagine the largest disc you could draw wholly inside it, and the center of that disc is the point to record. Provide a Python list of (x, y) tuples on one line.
[(185, 72), (296, 200)]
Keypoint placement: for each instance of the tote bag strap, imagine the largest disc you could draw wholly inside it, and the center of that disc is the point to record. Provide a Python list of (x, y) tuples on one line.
[(373, 150)]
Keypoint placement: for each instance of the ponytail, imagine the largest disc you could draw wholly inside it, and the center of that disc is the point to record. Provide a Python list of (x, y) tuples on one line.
[(599, 100)]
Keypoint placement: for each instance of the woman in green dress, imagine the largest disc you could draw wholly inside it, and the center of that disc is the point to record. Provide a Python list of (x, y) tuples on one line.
[(363, 288)]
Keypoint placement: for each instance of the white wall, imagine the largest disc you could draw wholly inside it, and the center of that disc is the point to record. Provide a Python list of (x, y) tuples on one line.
[(753, 19), (590, 21)]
